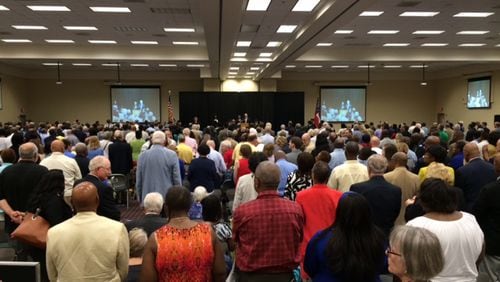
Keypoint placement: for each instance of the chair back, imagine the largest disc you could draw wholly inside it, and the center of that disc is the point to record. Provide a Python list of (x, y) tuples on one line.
[(119, 182)]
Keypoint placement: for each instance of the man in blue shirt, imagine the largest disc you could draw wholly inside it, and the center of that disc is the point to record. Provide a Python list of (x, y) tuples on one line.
[(286, 168)]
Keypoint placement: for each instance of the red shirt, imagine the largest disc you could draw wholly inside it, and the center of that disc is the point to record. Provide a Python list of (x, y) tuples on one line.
[(268, 232), (228, 158), (243, 168), (319, 204)]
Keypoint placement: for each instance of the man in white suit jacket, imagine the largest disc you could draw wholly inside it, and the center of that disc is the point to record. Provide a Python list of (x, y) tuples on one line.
[(87, 247)]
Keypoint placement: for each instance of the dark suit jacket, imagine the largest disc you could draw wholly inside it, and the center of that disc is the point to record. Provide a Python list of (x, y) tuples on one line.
[(120, 156), (384, 199), (107, 206), (150, 223), (472, 177), (202, 172), (83, 164)]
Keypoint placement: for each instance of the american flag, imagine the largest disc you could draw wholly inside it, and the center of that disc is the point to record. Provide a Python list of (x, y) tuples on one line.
[(170, 108), (317, 114)]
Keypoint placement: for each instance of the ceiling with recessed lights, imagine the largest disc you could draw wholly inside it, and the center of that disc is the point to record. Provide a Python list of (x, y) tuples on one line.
[(249, 38)]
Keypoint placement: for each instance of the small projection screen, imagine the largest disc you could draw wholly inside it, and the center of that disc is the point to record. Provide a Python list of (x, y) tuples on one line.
[(135, 103), (478, 93), (343, 103)]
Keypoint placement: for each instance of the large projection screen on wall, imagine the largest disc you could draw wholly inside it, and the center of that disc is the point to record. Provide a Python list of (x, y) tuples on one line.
[(343, 103), (135, 103), (479, 93)]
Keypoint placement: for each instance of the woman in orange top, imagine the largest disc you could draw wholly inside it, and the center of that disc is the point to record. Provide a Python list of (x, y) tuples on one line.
[(182, 250)]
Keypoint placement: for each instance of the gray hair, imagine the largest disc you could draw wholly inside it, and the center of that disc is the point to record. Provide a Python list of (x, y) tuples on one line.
[(377, 164), (81, 149), (269, 174), (97, 162), (158, 138), (28, 151), (153, 202), (138, 239), (420, 250), (199, 193), (118, 134)]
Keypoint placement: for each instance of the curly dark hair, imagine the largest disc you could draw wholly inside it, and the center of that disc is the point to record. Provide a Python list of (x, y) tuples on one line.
[(436, 196)]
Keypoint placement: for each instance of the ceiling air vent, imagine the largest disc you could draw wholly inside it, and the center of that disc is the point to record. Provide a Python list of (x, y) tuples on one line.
[(82, 33), (130, 28), (177, 11)]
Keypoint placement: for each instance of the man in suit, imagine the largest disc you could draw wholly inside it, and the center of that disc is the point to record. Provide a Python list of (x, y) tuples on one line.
[(202, 171), (383, 197), (120, 155), (473, 175), (87, 247), (153, 204), (407, 181), (100, 170)]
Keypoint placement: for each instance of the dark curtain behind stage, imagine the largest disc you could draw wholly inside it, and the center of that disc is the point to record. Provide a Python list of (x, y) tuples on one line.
[(276, 107)]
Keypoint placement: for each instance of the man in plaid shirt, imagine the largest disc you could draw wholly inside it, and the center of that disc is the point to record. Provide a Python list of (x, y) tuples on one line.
[(267, 231)]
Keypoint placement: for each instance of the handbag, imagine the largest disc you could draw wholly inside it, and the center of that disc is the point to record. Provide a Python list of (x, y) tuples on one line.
[(32, 230)]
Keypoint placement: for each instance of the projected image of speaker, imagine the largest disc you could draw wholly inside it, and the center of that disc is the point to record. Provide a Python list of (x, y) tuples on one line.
[(343, 104), (479, 93), (135, 103)]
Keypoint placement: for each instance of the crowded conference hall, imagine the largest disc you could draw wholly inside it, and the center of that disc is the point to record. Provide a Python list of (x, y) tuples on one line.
[(250, 140)]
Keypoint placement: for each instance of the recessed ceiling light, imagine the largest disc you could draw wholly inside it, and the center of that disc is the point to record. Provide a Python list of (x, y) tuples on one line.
[(473, 14), (498, 45), (371, 13), (264, 60), (139, 65), (339, 66), (265, 54), (418, 66), (230, 77), (144, 42), (471, 44), (16, 40), (74, 27), (185, 43), (30, 27), (81, 64), (418, 14), (396, 44), (239, 59), (46, 8), (290, 66), (167, 65), (258, 5), (102, 41), (110, 9), (305, 5), (273, 44), (284, 28), (178, 29), (383, 31), (3, 8), (234, 68), (343, 31), (232, 73), (61, 41), (250, 73), (243, 43), (434, 44), (428, 32), (240, 54), (247, 77), (254, 68), (195, 66), (392, 66), (52, 64), (110, 65), (472, 32), (366, 66), (313, 66), (324, 44)]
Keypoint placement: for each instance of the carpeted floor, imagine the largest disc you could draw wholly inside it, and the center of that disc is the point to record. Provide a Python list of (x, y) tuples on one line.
[(134, 211)]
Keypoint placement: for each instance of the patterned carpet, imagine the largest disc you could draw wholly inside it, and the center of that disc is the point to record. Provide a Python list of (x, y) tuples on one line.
[(134, 211)]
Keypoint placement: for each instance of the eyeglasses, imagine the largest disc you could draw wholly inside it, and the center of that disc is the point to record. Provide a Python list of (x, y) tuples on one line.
[(389, 251)]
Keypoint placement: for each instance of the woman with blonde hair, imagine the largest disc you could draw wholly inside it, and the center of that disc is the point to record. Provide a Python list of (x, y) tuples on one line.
[(94, 147)]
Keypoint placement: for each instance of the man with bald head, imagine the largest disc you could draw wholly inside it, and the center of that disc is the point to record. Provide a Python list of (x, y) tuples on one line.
[(473, 175), (69, 167), (17, 183), (267, 231), (404, 179), (87, 247), (487, 212)]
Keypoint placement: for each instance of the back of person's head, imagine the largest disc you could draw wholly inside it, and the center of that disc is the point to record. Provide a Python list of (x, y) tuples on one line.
[(305, 162), (57, 146), (245, 151), (50, 184), (81, 150), (268, 150), (436, 196), (153, 203), (324, 156), (255, 159), (84, 197), (267, 175), (97, 162), (420, 250), (178, 199), (339, 143), (93, 142), (389, 150), (437, 152), (138, 239), (199, 193), (8, 155), (320, 172), (158, 138), (297, 142), (400, 159), (118, 135), (377, 164), (212, 208), (28, 151), (351, 150), (203, 149)]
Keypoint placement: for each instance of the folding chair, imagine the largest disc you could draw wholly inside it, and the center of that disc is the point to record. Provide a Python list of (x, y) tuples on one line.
[(119, 183)]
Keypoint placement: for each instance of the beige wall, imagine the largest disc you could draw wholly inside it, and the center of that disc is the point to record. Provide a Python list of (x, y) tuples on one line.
[(14, 92), (451, 99)]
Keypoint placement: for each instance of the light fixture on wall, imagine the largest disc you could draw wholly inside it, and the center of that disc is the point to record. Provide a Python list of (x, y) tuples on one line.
[(368, 80), (58, 82), (118, 80), (423, 82)]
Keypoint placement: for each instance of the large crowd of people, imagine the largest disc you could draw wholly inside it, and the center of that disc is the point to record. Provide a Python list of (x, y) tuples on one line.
[(248, 202)]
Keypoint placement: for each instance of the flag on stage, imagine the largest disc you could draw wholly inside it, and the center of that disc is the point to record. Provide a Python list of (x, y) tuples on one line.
[(170, 109), (317, 114)]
